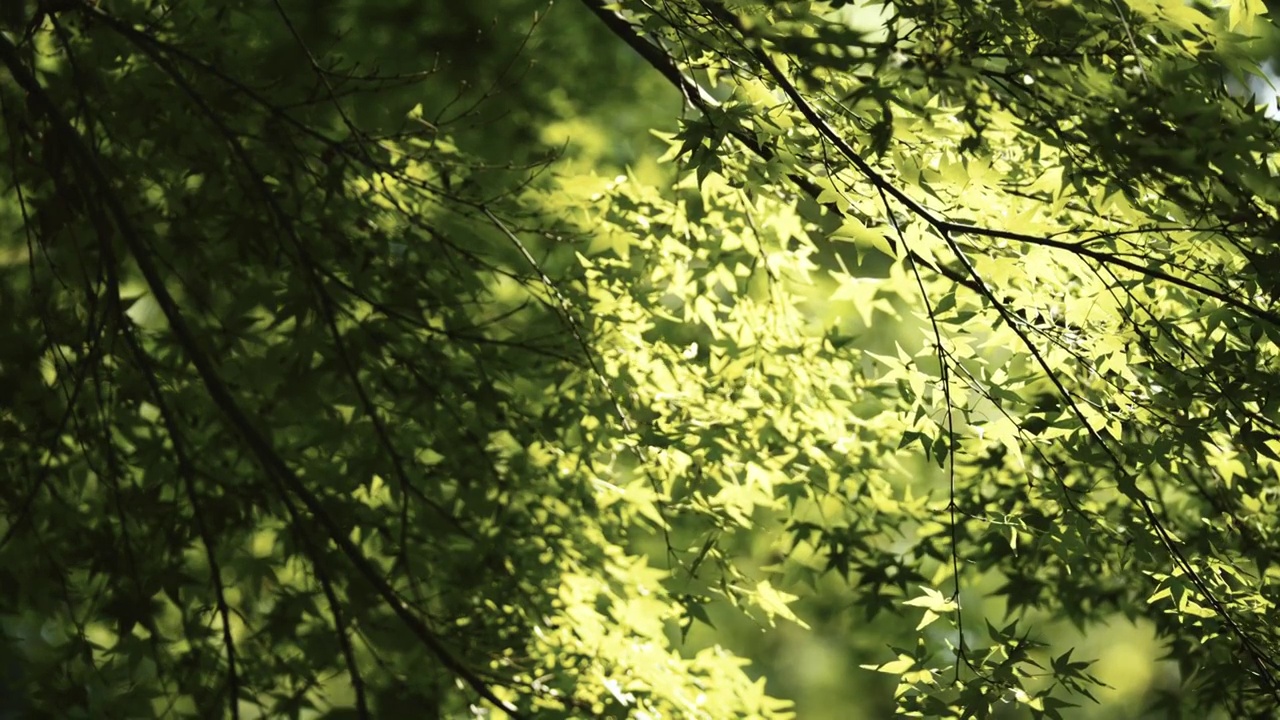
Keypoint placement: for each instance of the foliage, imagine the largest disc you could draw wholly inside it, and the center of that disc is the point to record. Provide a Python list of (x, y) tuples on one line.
[(326, 392)]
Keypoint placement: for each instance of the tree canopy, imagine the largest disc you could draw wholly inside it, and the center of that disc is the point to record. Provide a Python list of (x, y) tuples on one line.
[(497, 359)]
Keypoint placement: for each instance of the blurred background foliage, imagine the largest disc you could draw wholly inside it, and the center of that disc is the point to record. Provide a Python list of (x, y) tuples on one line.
[(512, 81)]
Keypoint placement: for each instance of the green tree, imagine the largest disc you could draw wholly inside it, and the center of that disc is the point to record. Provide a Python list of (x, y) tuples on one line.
[(326, 390)]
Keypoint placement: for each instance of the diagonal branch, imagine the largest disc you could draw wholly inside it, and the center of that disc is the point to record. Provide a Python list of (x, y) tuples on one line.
[(218, 391), (949, 230)]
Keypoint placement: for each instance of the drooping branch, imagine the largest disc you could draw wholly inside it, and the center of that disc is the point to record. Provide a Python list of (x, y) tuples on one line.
[(967, 275)]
